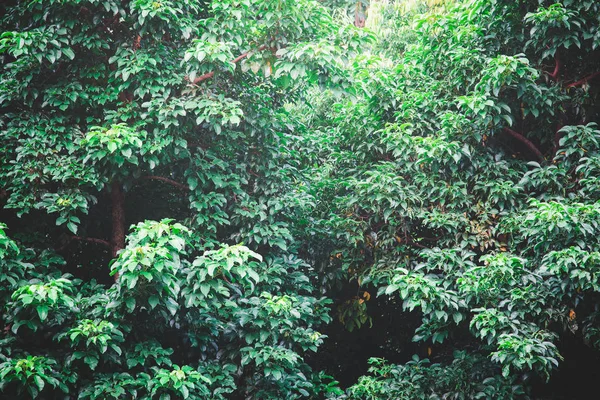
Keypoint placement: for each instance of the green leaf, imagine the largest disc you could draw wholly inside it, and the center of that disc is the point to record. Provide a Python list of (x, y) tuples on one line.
[(153, 301), (39, 382), (172, 306), (130, 303), (72, 227), (68, 52), (91, 361), (42, 311), (112, 146)]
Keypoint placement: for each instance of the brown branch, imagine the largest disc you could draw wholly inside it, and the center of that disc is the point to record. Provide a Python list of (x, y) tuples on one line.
[(166, 180), (236, 60), (417, 245), (91, 240), (526, 142), (83, 239), (584, 80), (204, 77), (242, 56)]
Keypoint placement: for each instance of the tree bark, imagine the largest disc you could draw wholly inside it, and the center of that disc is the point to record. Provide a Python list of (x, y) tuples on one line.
[(117, 238)]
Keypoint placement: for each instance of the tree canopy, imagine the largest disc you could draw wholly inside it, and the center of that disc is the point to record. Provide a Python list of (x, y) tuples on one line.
[(225, 199)]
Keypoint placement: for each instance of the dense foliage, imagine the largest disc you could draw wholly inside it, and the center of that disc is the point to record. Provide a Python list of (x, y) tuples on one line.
[(460, 183), (428, 173), (116, 112)]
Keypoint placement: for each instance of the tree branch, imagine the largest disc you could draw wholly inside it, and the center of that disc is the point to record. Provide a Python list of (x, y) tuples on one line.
[(526, 142), (204, 77), (584, 80), (417, 245), (557, 65), (83, 239), (91, 240), (236, 60), (166, 180)]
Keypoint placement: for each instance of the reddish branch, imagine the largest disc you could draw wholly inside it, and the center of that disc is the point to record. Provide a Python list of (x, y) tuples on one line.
[(557, 65), (204, 77), (167, 180), (526, 142), (244, 55), (236, 60), (584, 80)]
